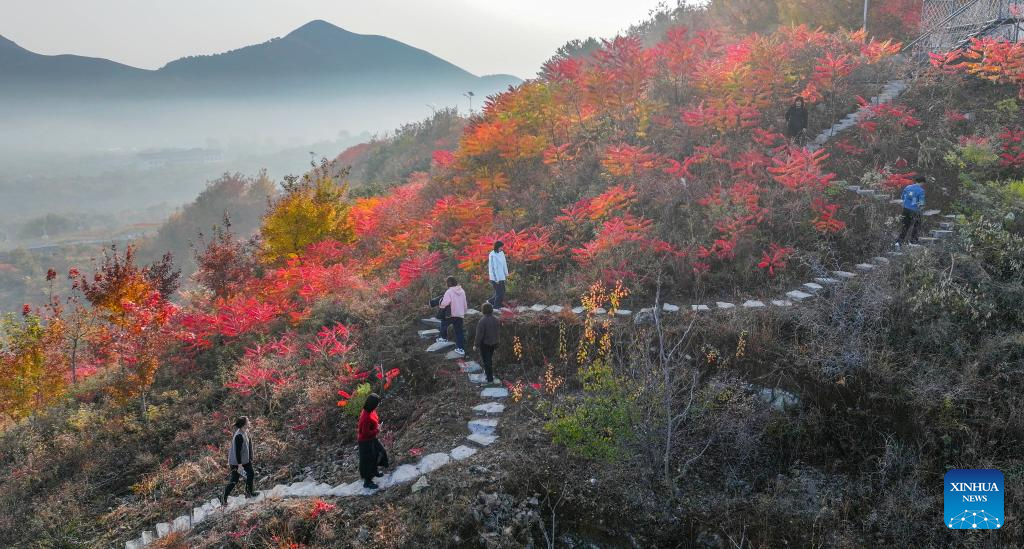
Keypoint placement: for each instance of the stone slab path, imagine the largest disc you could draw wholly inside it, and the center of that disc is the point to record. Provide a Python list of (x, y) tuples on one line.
[(483, 432)]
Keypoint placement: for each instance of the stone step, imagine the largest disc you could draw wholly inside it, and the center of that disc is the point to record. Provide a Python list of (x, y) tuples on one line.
[(844, 274), (951, 217), (813, 286), (538, 308), (928, 240), (853, 188), (929, 213), (432, 462), (782, 303), (866, 192), (432, 333), (753, 304), (797, 295), (481, 379), (440, 346), (555, 309), (482, 440), (880, 260), (623, 312), (494, 392), (699, 308), (462, 452), (896, 202), (826, 281), (865, 267), (483, 426), (473, 312), (669, 308), (941, 233), (724, 305), (470, 367), (489, 408), (578, 310), (452, 355), (947, 225), (433, 322)]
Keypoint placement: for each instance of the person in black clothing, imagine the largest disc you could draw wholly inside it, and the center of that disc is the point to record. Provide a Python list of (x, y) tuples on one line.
[(240, 455), (796, 119), (487, 339)]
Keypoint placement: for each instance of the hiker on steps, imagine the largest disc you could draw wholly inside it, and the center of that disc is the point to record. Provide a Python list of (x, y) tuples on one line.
[(240, 455), (497, 272), (796, 120), (486, 339), (454, 297), (913, 204), (371, 452)]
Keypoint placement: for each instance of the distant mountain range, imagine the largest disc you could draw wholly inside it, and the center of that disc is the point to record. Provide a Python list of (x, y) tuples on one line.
[(316, 58)]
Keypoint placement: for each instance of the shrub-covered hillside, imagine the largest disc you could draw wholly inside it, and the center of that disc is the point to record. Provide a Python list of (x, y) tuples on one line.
[(649, 170)]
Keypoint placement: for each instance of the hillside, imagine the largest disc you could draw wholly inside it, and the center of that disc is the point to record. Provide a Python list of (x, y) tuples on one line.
[(711, 340)]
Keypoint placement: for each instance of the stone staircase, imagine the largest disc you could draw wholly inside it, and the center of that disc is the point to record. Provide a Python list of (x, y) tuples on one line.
[(482, 433), (483, 429), (890, 91)]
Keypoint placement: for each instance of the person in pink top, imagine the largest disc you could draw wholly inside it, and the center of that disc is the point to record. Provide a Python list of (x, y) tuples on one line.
[(454, 297)]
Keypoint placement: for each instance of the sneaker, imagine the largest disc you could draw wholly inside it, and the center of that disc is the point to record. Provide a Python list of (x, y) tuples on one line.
[(378, 474), (441, 340), (460, 352), (370, 484)]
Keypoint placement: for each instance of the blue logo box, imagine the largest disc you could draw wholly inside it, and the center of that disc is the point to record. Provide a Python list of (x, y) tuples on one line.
[(974, 499)]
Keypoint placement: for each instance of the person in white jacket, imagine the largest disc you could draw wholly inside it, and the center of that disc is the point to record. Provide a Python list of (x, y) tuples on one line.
[(497, 272)]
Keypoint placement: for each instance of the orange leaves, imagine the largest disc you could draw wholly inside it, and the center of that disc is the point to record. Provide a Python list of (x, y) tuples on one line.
[(801, 170), (443, 159), (492, 182), (413, 269), (613, 234), (523, 247), (502, 138), (830, 69), (614, 200), (627, 160), (727, 116), (994, 59), (461, 219), (875, 51), (825, 217)]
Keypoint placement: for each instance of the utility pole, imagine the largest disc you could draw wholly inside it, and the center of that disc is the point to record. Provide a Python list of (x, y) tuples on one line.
[(469, 95), (865, 27)]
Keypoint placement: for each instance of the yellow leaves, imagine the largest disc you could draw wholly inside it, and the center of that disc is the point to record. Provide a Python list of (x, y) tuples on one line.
[(32, 373), (310, 212)]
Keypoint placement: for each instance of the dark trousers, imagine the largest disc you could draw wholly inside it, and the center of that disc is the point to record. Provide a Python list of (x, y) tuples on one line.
[(487, 357), (460, 334), (371, 455), (250, 479), (911, 222), (499, 294)]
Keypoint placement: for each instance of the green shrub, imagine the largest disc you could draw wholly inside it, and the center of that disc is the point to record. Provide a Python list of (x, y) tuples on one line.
[(355, 404), (599, 424)]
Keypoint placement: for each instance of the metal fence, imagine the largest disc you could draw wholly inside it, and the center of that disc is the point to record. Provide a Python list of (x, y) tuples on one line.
[(950, 24)]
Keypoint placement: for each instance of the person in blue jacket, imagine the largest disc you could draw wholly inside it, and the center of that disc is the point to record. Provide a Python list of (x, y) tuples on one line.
[(913, 207)]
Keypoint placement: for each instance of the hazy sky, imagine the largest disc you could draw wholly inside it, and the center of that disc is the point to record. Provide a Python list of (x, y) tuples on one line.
[(482, 36)]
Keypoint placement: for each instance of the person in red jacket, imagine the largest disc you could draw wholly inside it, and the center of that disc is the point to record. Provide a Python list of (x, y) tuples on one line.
[(371, 451)]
